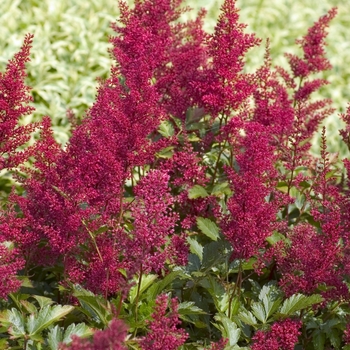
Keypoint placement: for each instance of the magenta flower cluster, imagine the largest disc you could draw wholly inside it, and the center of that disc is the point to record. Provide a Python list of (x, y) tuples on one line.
[(119, 200)]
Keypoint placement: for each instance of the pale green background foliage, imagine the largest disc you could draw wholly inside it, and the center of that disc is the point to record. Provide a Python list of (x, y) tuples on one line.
[(71, 43)]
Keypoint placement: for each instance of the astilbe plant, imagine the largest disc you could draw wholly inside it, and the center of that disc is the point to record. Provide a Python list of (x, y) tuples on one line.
[(283, 335), (187, 175), (164, 333)]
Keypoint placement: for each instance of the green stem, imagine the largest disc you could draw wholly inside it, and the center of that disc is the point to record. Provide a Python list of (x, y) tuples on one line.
[(138, 293), (237, 284)]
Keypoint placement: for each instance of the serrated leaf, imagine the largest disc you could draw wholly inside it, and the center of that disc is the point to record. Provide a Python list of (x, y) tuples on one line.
[(80, 330), (195, 247), (271, 299), (30, 307), (15, 318), (55, 337), (197, 191), (335, 337), (46, 317), (216, 290), (166, 152), (94, 308), (247, 317), (214, 253), (166, 129), (298, 302), (208, 227), (300, 200), (230, 329), (43, 301), (189, 308), (259, 312)]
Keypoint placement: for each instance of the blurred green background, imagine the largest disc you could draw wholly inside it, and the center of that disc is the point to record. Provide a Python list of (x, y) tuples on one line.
[(71, 43)]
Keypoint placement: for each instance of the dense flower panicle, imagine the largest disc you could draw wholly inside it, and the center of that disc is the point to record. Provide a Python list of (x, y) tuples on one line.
[(102, 272), (310, 261), (222, 86), (313, 43), (164, 333), (10, 263), (315, 256), (251, 215), (283, 335), (154, 221), (149, 40), (186, 57), (185, 168), (14, 103), (272, 105), (112, 338)]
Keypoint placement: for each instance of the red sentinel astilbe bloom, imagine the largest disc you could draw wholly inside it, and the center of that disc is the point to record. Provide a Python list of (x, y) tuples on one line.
[(150, 40), (314, 256), (222, 86), (283, 335), (313, 43), (186, 56), (272, 105), (311, 260), (154, 222), (251, 215), (10, 263), (14, 103), (72, 194), (112, 338), (295, 144), (310, 114), (163, 331)]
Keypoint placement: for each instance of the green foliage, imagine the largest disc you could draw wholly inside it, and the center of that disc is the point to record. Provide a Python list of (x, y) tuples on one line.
[(32, 326)]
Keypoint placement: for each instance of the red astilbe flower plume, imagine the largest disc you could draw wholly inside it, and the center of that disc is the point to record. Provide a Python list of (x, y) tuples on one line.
[(306, 114), (154, 223), (222, 86), (74, 197), (282, 335), (111, 338), (14, 103), (10, 263), (186, 170), (272, 105), (164, 333), (151, 40), (315, 256), (313, 43), (251, 215)]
